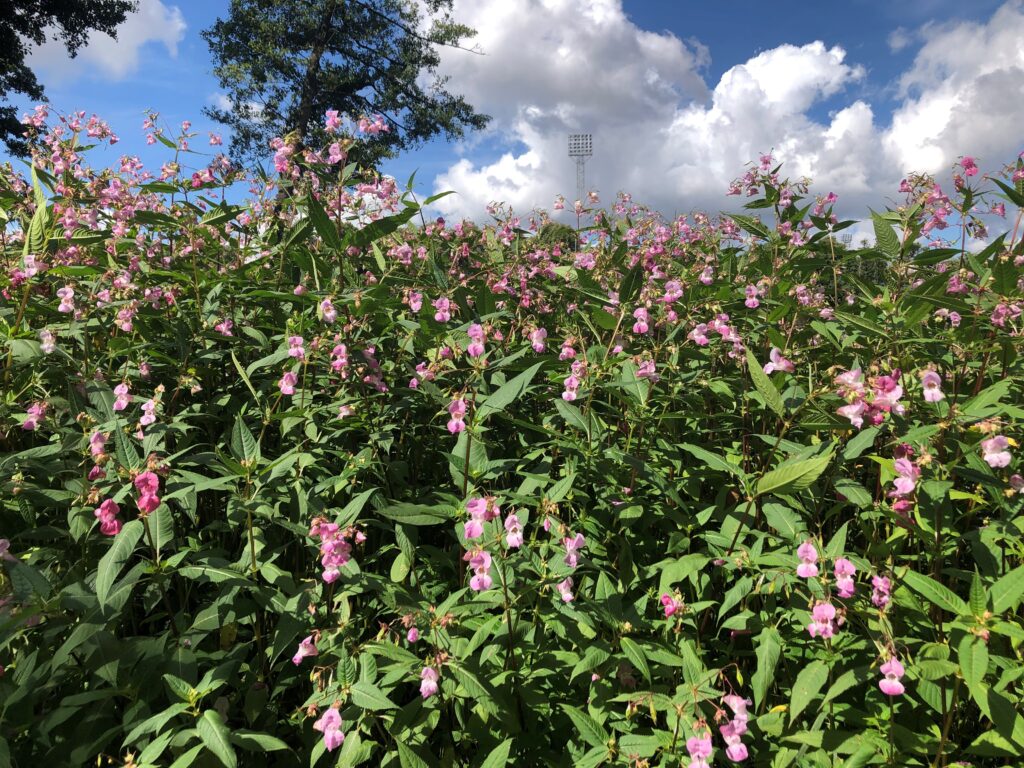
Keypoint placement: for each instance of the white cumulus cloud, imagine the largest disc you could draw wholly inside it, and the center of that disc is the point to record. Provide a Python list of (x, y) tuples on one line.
[(674, 141), (110, 58)]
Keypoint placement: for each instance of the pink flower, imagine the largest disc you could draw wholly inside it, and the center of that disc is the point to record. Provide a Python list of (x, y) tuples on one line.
[(97, 443), (457, 411), (822, 620), (149, 413), (412, 635), (332, 121), (890, 685), (699, 335), (907, 474), (671, 605), (641, 326), (122, 398), (335, 548), (752, 294), (854, 412), (147, 484), (329, 725), (327, 311), (808, 555), (537, 338), (480, 563), (778, 362), (443, 307), (564, 588), (224, 327), (732, 735), (107, 513), (306, 648), (844, 571), (477, 337), (994, 451), (699, 748), (296, 347), (35, 413), (513, 531), (572, 546), (931, 382), (969, 165), (428, 682), (881, 587), (287, 383)]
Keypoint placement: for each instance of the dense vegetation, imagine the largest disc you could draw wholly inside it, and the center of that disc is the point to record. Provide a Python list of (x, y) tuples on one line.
[(320, 477)]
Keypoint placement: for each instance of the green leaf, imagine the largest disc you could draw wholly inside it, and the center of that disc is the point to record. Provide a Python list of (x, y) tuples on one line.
[(860, 443), (589, 729), (506, 394), (188, 759), (885, 237), (368, 696), (323, 224), (712, 460), (1008, 591), (793, 475), (498, 757), (972, 653), (409, 759), (113, 561), (984, 404), (978, 598), (636, 656), (764, 385), (243, 445), (935, 593), (808, 684), (769, 648), (245, 376), (784, 520), (854, 492), (417, 514), (630, 286), (216, 737), (253, 741)]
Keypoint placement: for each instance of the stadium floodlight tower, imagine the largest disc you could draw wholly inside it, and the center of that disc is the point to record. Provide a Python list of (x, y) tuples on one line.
[(581, 146)]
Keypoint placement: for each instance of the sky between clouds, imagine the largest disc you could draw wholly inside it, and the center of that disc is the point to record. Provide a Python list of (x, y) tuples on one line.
[(678, 96)]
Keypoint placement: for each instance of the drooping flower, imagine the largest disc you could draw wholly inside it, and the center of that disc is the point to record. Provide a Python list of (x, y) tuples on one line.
[(329, 725), (327, 311), (699, 748), (808, 555), (931, 383), (881, 586), (147, 484), (537, 338), (778, 363), (844, 570), (732, 734), (412, 635), (572, 546), (97, 444), (513, 531), (477, 337), (335, 549), (428, 682), (564, 588), (306, 648), (890, 684), (642, 318), (823, 616), (995, 451), (296, 347), (457, 411), (121, 396), (107, 513), (287, 383), (34, 414), (480, 564), (671, 604)]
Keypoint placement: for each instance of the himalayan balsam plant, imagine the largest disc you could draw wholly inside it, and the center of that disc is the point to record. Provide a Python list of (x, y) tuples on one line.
[(320, 480)]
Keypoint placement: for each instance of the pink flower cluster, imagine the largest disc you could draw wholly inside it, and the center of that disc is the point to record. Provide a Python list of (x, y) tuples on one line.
[(477, 337), (578, 370), (428, 682), (335, 548), (671, 605), (869, 405), (732, 732)]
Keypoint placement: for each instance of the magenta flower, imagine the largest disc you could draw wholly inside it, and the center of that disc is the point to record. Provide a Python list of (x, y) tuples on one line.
[(890, 685), (699, 748), (642, 318), (306, 648), (808, 555), (477, 337), (107, 513), (412, 635), (329, 725), (443, 307), (671, 605), (778, 362), (224, 327), (327, 311), (732, 735), (97, 444), (537, 338), (147, 484), (969, 165), (572, 546), (699, 335), (149, 413), (931, 383), (35, 413), (428, 682), (296, 347), (844, 570), (994, 451), (287, 383)]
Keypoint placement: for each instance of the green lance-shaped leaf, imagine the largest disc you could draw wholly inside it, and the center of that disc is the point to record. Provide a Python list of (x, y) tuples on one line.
[(588, 728), (769, 648), (935, 593), (793, 475), (1008, 591), (506, 394), (498, 757), (764, 385), (808, 683), (113, 561), (885, 238), (216, 737)]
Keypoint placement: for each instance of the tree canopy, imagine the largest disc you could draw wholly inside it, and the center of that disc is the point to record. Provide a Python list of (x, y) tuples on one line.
[(25, 23), (284, 63)]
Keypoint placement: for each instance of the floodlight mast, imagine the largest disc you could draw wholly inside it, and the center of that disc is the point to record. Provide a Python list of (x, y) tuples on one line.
[(581, 146)]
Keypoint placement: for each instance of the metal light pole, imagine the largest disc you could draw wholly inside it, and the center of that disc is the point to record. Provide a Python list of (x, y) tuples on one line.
[(581, 146)]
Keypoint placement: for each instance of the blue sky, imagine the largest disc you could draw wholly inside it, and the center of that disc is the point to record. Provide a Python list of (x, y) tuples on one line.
[(679, 94)]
